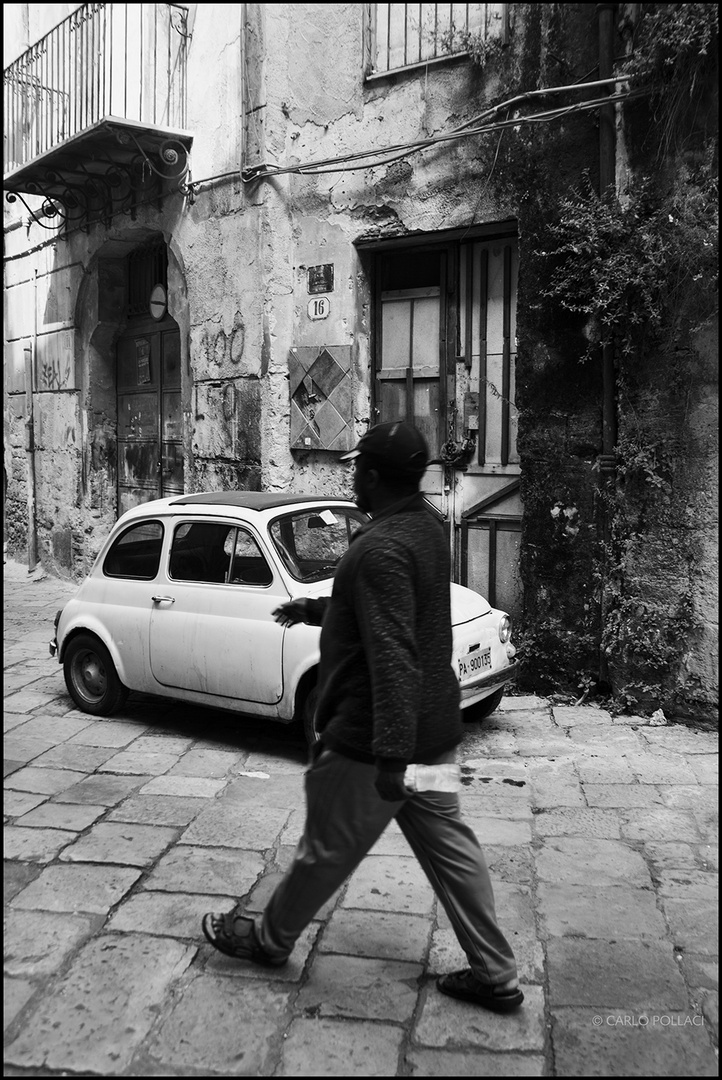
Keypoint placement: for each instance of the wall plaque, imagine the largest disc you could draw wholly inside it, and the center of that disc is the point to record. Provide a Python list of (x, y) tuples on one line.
[(320, 278)]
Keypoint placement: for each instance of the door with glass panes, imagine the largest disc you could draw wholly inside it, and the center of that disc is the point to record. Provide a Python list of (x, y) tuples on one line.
[(445, 351), (411, 346), (150, 428)]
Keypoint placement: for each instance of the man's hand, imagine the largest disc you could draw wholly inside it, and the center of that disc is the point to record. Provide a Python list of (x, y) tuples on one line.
[(291, 613), (391, 787)]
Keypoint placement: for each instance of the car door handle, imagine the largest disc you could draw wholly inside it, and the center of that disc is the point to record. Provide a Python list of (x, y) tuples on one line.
[(163, 599)]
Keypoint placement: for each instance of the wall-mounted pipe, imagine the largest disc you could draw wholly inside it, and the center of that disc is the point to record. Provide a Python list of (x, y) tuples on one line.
[(606, 14)]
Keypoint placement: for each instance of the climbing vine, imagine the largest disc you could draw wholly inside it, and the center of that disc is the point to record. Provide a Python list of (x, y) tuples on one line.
[(635, 268), (640, 267)]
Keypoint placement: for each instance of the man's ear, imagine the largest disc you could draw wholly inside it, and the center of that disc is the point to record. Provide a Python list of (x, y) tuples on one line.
[(372, 479)]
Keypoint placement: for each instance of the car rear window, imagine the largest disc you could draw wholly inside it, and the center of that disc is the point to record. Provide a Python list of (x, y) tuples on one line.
[(136, 552), (311, 542)]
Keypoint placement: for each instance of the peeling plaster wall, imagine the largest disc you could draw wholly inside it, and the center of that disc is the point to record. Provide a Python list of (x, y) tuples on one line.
[(314, 109), (290, 83)]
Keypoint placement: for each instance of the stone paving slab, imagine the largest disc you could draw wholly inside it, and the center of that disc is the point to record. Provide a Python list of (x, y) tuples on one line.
[(44, 781), (108, 733), (103, 1008), (37, 943), (74, 756), (35, 845), (104, 790), (636, 975), (199, 787), (18, 747), (160, 809), (56, 730), (480, 1063), (165, 914), (16, 875), (578, 821), (446, 1023), (377, 934), (385, 883), (329, 1047), (366, 989), (73, 816), (447, 955), (693, 924), (237, 825), (121, 843), (221, 1026), (17, 803), (188, 869), (139, 762), (84, 888), (598, 862), (615, 1043), (16, 994), (612, 912)]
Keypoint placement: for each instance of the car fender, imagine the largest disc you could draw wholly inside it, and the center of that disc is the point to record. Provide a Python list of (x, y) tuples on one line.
[(301, 654), (90, 624)]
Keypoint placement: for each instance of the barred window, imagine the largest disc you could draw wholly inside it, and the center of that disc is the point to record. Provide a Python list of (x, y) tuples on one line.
[(405, 35)]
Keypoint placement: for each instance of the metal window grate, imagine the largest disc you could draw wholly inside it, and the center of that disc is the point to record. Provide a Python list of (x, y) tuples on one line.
[(147, 266), (405, 35)]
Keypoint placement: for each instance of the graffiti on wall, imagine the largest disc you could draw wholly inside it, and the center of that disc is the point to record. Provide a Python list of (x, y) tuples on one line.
[(55, 361)]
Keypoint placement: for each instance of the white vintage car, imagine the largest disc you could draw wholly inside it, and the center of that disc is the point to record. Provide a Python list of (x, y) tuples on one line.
[(179, 603)]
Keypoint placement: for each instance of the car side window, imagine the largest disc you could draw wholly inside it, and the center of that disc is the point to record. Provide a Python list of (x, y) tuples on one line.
[(207, 551), (136, 553), (249, 566)]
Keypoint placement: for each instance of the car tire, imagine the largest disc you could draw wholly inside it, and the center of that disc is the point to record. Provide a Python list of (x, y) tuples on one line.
[(91, 678), (308, 716), (484, 708)]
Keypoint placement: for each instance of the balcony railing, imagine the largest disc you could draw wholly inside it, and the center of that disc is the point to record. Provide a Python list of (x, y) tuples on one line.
[(406, 35), (105, 60)]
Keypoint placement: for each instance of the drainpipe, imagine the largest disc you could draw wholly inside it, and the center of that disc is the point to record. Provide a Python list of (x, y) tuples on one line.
[(607, 177), (30, 354)]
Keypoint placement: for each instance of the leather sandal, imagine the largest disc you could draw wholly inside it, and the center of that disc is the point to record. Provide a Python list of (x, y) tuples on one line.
[(465, 986), (235, 935)]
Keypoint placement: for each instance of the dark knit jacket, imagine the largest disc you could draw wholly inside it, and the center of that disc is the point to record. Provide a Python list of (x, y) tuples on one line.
[(387, 691)]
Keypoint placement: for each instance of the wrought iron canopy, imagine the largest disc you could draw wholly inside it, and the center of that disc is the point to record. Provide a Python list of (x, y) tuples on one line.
[(109, 168)]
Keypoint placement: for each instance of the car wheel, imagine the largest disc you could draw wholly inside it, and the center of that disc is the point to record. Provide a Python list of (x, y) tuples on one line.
[(484, 708), (91, 678), (308, 715)]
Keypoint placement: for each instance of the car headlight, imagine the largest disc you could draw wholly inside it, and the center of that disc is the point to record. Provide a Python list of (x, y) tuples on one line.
[(504, 628)]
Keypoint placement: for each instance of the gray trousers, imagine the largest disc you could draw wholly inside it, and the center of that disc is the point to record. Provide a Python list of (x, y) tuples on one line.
[(345, 817)]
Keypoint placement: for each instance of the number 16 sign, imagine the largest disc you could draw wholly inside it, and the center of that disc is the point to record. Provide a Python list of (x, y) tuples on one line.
[(319, 307)]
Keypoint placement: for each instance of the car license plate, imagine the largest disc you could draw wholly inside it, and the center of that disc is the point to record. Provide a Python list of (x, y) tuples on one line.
[(474, 664)]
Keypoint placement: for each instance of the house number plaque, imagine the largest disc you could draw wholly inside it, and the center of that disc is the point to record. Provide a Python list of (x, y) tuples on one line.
[(319, 307)]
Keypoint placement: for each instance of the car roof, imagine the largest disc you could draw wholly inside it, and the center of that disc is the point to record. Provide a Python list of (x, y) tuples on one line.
[(225, 503), (249, 500)]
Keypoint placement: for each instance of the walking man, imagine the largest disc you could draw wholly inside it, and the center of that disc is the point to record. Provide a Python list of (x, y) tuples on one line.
[(388, 696)]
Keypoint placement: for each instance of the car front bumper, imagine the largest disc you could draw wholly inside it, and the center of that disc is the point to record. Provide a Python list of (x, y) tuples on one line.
[(476, 689)]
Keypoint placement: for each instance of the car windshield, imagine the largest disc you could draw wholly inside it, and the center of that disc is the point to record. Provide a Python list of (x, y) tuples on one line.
[(310, 542)]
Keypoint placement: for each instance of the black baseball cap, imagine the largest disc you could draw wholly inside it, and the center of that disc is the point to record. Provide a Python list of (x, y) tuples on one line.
[(397, 445)]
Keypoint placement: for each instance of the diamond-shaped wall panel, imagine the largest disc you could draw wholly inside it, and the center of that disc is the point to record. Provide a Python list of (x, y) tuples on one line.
[(321, 398)]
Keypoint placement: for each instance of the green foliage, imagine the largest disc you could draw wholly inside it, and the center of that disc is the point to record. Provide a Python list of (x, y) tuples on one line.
[(481, 49), (675, 57), (640, 270)]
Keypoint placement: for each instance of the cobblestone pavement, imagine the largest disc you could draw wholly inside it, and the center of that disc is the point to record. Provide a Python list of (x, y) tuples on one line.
[(120, 833)]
